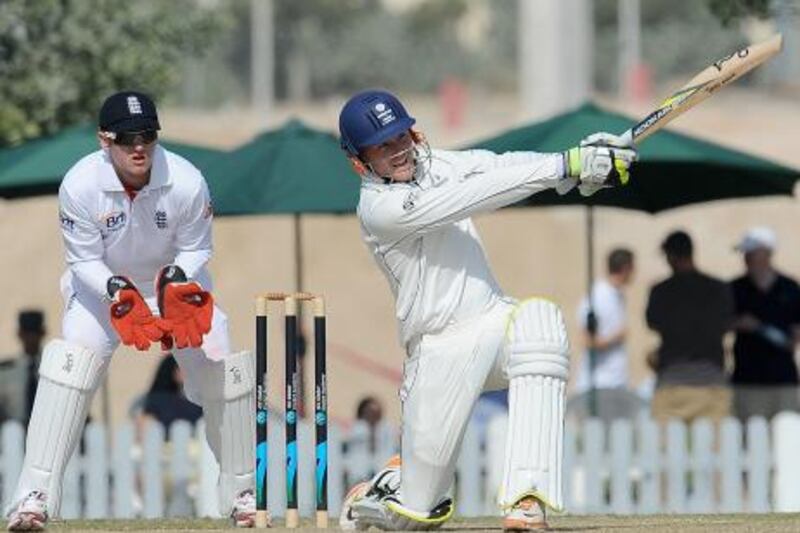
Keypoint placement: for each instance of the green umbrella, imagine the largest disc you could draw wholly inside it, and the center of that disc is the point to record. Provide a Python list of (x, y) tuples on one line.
[(673, 170), (37, 167), (293, 169)]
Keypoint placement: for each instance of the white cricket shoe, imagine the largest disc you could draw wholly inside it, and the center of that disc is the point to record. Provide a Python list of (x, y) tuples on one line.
[(30, 514), (243, 512), (527, 514)]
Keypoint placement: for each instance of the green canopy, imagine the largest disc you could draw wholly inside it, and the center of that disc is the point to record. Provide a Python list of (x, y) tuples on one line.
[(294, 169), (37, 167), (673, 169)]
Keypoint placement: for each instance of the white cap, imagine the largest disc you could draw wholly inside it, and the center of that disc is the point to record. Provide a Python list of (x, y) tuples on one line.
[(757, 238)]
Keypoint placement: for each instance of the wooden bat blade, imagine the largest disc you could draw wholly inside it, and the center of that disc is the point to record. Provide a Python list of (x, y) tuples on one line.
[(719, 74)]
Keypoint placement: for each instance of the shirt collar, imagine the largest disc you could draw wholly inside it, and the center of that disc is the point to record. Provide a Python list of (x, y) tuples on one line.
[(159, 173)]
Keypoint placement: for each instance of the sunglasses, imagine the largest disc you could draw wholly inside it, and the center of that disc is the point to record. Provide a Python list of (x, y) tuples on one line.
[(131, 138)]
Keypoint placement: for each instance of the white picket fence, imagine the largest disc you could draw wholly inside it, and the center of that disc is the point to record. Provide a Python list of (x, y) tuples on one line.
[(626, 468)]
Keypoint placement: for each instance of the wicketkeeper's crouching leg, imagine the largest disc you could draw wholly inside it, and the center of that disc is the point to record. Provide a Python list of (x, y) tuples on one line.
[(69, 375), (537, 367), (226, 391)]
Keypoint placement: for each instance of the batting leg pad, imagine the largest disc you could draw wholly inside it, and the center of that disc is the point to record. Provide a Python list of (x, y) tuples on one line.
[(69, 375), (538, 368), (228, 398), (536, 341)]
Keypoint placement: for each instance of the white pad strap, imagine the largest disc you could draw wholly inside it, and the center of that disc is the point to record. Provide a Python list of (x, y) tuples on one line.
[(228, 397), (68, 377), (537, 367)]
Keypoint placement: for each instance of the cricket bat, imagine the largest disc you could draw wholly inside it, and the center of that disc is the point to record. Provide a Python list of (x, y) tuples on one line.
[(716, 76)]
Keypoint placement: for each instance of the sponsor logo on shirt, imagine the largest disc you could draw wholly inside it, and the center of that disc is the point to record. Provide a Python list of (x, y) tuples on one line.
[(161, 219), (114, 221), (67, 223)]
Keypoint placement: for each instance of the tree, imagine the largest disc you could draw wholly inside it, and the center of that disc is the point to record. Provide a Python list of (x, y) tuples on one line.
[(60, 58)]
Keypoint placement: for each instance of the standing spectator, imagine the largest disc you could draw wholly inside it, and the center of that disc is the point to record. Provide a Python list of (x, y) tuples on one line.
[(767, 330), (610, 324), (20, 375), (691, 311)]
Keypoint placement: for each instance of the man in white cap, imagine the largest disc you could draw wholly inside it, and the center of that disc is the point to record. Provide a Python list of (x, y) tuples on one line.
[(767, 326)]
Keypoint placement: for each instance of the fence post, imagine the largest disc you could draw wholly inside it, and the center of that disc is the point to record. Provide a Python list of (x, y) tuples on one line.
[(594, 444), (649, 461), (785, 445), (702, 467), (96, 472), (676, 466), (621, 453), (12, 439), (180, 504), (759, 462), (152, 483), (122, 469), (731, 455)]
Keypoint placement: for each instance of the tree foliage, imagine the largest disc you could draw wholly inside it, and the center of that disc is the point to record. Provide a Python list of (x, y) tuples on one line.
[(729, 11), (60, 58)]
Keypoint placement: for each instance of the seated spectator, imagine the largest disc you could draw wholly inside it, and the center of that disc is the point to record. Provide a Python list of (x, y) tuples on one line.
[(165, 401), (19, 375), (767, 327), (691, 311)]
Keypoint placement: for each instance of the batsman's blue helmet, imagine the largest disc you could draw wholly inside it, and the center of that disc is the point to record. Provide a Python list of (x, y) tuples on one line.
[(370, 118)]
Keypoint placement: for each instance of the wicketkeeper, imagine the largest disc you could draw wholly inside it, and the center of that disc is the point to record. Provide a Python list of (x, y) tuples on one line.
[(462, 335), (136, 221)]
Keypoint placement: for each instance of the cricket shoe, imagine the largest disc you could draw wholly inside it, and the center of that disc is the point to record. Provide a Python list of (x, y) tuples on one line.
[(384, 483), (243, 512), (526, 515), (30, 514)]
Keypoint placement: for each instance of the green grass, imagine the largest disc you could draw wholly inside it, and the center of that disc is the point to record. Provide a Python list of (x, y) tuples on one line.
[(727, 523)]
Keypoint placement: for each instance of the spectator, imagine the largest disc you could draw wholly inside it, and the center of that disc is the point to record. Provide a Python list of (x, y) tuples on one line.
[(767, 330), (370, 411), (165, 401), (610, 324), (691, 311), (20, 374)]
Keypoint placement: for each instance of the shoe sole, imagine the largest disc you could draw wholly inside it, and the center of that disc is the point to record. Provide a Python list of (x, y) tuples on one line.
[(521, 525), (27, 522)]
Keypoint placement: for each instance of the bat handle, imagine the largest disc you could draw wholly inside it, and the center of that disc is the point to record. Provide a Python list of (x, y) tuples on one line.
[(627, 137)]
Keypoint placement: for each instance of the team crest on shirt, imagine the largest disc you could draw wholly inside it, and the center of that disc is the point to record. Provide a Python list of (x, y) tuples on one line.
[(161, 219), (114, 221), (410, 200)]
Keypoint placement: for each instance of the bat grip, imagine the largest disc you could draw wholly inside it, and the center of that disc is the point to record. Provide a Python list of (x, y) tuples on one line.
[(627, 137)]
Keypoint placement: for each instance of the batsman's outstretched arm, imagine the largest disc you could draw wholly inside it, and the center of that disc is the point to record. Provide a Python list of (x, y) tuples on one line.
[(458, 192)]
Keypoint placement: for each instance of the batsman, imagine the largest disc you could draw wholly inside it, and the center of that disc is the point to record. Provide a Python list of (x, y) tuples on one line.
[(136, 223), (461, 333)]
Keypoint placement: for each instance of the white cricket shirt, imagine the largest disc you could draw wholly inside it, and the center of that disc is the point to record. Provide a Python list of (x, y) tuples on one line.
[(611, 364), (106, 233), (421, 235)]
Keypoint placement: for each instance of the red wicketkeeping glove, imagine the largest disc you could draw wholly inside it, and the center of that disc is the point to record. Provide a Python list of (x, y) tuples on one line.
[(186, 307), (131, 317)]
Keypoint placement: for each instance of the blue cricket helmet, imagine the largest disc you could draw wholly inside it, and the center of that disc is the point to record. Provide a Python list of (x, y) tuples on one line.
[(370, 118)]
